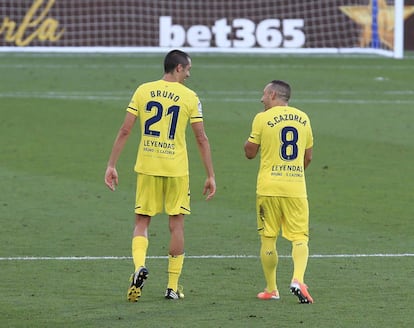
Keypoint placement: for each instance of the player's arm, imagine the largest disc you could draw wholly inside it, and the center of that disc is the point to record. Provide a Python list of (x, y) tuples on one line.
[(111, 175), (308, 157), (251, 149), (205, 152)]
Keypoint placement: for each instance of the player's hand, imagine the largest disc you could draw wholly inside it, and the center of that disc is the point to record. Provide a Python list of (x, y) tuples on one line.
[(111, 178), (209, 188)]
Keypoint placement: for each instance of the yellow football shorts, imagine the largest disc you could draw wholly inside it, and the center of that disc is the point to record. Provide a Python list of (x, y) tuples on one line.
[(156, 193), (291, 215)]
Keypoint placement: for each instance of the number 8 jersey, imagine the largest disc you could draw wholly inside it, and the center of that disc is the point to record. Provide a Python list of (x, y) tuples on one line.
[(283, 133), (164, 110)]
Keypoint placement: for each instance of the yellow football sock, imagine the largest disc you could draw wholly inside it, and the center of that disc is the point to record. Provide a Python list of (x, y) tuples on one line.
[(175, 265), (300, 254), (269, 259), (139, 251)]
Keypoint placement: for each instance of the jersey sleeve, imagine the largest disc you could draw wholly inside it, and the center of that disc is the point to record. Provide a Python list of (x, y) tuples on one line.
[(133, 104), (309, 139), (255, 134), (196, 110)]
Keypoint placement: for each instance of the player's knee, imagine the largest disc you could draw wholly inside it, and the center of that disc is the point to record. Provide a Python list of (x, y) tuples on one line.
[(300, 239)]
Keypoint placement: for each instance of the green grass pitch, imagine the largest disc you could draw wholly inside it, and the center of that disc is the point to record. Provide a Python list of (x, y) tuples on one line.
[(59, 116)]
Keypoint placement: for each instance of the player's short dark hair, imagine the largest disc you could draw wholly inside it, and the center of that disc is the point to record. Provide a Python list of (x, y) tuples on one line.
[(175, 58), (282, 89)]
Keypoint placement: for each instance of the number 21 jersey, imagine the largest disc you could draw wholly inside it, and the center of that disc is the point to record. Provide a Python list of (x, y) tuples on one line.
[(164, 110)]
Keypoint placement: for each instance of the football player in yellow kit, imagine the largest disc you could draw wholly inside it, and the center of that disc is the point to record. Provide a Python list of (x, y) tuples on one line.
[(164, 108), (284, 136)]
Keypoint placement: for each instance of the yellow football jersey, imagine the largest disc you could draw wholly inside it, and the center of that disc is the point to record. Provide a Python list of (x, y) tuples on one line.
[(164, 110), (283, 133)]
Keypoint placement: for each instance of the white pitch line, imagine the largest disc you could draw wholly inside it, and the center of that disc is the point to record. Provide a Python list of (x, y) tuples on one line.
[(94, 258), (206, 65), (206, 98)]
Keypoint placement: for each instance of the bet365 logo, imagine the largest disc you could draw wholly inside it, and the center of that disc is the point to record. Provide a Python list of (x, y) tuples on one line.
[(269, 33)]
